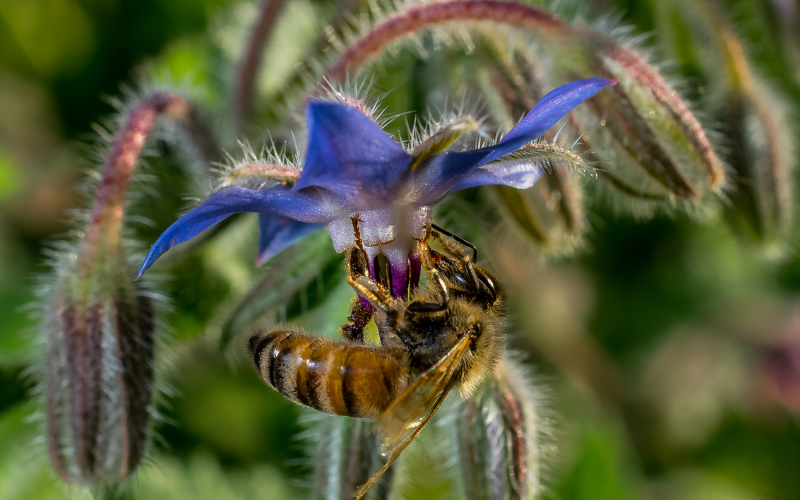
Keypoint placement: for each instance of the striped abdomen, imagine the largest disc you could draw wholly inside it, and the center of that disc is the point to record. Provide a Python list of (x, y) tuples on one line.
[(333, 377)]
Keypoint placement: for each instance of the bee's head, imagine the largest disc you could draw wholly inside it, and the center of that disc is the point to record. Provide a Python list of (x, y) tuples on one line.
[(465, 279)]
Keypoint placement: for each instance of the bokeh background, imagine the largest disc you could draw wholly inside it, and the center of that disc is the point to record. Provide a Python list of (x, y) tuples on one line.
[(669, 349)]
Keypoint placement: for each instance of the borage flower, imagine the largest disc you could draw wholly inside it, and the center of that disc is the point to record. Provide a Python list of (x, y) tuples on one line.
[(360, 182)]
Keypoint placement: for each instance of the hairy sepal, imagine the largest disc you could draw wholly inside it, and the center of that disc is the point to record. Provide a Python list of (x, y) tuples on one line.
[(502, 437), (443, 138)]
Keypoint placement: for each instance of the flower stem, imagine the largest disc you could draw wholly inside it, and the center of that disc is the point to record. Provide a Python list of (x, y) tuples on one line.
[(423, 16), (248, 70), (106, 217)]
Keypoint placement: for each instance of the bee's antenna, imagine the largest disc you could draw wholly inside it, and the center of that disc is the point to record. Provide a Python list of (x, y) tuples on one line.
[(458, 239)]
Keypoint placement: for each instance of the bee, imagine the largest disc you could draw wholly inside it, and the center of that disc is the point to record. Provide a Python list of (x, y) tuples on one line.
[(449, 334)]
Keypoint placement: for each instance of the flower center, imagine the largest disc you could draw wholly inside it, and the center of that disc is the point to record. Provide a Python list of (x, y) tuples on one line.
[(393, 232)]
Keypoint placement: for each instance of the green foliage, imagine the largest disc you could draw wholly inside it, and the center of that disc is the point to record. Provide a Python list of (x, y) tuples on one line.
[(294, 283)]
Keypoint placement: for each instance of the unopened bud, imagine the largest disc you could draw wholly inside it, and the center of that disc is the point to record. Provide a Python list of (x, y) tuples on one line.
[(344, 454), (99, 374), (500, 436), (763, 158), (659, 151), (650, 147), (758, 123)]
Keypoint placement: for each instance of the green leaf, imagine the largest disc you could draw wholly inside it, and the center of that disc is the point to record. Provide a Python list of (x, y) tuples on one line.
[(297, 280)]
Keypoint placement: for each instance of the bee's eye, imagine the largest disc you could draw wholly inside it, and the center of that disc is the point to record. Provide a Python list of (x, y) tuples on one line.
[(462, 281), (487, 281)]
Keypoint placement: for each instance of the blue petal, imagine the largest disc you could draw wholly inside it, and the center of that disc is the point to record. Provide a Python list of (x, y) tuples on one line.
[(514, 174), (553, 107), (307, 206), (350, 155), (278, 233), (444, 171)]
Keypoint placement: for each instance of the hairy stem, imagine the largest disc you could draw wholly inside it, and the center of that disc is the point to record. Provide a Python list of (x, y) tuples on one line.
[(424, 16), (106, 217), (248, 70)]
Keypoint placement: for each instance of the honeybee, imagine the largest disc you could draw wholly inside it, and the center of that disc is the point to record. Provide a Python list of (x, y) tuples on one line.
[(449, 334)]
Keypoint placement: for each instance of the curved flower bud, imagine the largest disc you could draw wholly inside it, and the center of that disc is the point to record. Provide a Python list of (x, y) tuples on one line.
[(367, 188), (100, 329), (661, 154)]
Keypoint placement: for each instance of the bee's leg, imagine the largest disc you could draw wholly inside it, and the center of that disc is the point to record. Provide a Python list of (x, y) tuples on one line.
[(377, 295), (358, 277), (436, 281), (356, 263), (353, 330), (390, 310)]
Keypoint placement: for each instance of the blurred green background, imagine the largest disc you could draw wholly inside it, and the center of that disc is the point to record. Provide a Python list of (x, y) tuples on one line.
[(664, 347)]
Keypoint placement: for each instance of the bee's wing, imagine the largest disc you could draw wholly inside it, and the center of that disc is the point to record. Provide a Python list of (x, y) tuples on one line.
[(398, 446), (393, 423), (398, 423)]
